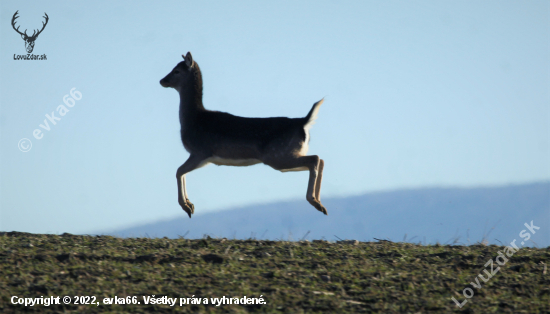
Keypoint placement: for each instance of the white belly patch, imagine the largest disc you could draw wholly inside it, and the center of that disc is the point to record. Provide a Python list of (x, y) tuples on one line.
[(232, 162), (294, 169)]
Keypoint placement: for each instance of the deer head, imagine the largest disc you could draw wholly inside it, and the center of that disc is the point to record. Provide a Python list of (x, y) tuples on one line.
[(29, 40), (184, 74)]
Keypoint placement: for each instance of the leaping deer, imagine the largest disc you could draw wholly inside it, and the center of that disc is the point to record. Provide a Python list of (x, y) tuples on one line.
[(224, 139), (29, 40)]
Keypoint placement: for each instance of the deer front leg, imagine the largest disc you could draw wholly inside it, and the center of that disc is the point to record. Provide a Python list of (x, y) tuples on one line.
[(192, 163), (183, 200)]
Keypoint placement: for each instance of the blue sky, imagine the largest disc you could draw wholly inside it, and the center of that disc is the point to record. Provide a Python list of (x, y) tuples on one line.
[(418, 93)]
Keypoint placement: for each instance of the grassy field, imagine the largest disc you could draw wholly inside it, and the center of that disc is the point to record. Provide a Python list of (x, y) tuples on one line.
[(290, 277)]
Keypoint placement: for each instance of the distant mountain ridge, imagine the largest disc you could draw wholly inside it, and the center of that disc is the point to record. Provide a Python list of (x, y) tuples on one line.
[(429, 215)]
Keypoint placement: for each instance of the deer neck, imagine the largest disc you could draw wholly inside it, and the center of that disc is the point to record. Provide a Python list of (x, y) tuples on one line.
[(190, 103)]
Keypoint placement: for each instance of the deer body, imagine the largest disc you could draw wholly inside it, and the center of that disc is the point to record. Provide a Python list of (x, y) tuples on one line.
[(224, 139)]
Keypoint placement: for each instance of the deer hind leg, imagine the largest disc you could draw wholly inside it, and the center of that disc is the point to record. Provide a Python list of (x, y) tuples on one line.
[(319, 179), (192, 163), (311, 163)]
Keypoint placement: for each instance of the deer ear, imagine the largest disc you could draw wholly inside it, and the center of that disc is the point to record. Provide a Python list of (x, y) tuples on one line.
[(188, 59)]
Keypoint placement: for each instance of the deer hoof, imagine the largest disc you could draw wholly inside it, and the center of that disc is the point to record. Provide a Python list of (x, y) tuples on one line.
[(188, 207), (318, 205), (322, 209)]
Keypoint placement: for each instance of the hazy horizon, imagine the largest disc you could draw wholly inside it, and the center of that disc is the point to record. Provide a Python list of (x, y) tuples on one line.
[(456, 216)]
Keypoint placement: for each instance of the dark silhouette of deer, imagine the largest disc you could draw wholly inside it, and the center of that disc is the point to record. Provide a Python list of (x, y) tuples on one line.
[(29, 40), (224, 139)]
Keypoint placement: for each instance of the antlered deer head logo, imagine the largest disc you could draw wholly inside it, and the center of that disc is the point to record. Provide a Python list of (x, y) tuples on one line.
[(29, 40)]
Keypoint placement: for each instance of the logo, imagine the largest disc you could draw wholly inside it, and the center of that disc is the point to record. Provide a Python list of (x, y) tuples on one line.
[(29, 40)]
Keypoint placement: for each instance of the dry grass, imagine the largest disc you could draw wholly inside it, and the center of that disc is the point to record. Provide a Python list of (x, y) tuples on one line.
[(292, 277)]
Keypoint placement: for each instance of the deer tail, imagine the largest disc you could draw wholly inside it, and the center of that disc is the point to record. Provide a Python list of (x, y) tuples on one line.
[(312, 115)]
